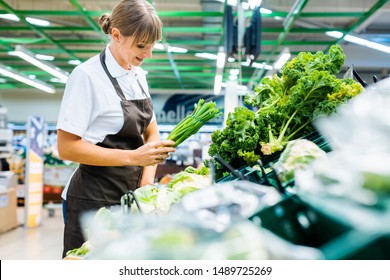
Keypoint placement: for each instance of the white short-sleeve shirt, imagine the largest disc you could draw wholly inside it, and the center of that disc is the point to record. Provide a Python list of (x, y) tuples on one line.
[(90, 107)]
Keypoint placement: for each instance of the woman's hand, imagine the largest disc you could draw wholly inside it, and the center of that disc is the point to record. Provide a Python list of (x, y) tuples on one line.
[(153, 153)]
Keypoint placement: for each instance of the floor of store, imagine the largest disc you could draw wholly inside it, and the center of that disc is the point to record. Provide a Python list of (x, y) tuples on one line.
[(40, 243)]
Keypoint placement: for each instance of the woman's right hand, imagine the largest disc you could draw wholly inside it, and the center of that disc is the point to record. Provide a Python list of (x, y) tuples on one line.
[(153, 153)]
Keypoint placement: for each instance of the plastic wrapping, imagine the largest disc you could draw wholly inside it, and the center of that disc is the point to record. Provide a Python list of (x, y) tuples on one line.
[(172, 236), (359, 166), (297, 155), (211, 223), (219, 205)]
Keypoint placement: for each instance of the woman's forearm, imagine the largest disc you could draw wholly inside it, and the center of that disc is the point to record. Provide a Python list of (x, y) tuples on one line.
[(71, 147)]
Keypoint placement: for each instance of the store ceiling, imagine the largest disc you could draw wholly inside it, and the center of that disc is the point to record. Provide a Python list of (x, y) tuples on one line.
[(196, 26)]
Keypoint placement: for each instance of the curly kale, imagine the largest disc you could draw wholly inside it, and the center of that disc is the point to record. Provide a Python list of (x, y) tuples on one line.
[(237, 142), (287, 106)]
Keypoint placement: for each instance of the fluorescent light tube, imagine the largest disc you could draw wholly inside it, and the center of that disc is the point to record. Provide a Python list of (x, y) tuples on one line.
[(74, 62), (44, 57), (34, 21), (39, 22), (217, 84), (176, 50), (282, 59), (359, 41), (10, 17), (257, 65), (46, 66), (221, 58), (159, 46), (9, 72), (206, 55), (238, 87), (265, 11)]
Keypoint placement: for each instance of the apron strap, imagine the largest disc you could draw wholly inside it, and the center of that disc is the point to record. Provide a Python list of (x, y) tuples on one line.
[(112, 79)]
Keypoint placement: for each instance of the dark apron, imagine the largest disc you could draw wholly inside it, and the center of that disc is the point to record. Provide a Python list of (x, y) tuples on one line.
[(93, 187)]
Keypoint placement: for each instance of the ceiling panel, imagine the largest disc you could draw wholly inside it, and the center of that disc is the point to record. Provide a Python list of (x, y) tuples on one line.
[(196, 26)]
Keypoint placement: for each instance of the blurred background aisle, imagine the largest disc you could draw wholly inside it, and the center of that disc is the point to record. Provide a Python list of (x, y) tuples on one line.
[(40, 243)]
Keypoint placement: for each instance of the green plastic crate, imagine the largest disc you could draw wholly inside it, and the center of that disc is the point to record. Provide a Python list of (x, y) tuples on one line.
[(338, 229), (376, 247), (297, 222), (251, 174)]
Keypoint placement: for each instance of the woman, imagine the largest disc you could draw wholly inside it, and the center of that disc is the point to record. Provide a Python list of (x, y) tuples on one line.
[(106, 120)]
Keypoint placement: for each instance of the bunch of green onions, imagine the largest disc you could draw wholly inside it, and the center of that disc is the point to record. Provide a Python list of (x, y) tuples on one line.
[(203, 112)]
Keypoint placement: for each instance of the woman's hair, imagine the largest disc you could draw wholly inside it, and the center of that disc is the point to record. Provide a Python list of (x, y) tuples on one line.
[(135, 18)]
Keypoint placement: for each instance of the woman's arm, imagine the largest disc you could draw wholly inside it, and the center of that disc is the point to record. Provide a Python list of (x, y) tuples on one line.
[(72, 147), (151, 134)]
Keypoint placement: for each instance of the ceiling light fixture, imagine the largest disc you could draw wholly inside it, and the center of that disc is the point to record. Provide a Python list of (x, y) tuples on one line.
[(74, 62), (46, 66), (238, 87), (39, 22), (34, 21), (221, 59), (282, 59), (159, 46), (257, 65), (176, 50), (10, 17), (359, 41), (251, 4), (11, 73), (44, 57), (206, 55)]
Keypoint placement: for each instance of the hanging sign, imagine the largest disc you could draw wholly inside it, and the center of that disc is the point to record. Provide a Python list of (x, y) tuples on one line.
[(34, 172), (171, 109)]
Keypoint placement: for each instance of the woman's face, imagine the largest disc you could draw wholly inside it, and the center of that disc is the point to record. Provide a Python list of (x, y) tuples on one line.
[(127, 53)]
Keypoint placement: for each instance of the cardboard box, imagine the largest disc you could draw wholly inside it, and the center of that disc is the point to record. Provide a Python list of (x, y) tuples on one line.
[(8, 179), (8, 215)]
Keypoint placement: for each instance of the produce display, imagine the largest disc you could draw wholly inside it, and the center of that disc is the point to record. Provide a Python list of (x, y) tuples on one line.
[(288, 104), (359, 168), (336, 209), (203, 112), (151, 200), (159, 199)]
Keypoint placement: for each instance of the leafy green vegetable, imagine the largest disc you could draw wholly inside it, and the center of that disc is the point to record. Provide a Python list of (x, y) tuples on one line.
[(190, 180), (81, 251), (202, 171), (203, 112), (154, 199), (237, 142), (298, 154), (287, 105)]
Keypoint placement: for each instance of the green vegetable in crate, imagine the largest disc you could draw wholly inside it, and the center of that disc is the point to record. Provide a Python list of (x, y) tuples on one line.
[(238, 141), (82, 251), (154, 199), (190, 179), (203, 112), (306, 89), (298, 154), (288, 104)]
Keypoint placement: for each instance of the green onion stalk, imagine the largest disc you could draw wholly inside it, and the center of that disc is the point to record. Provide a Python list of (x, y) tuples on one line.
[(203, 112)]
